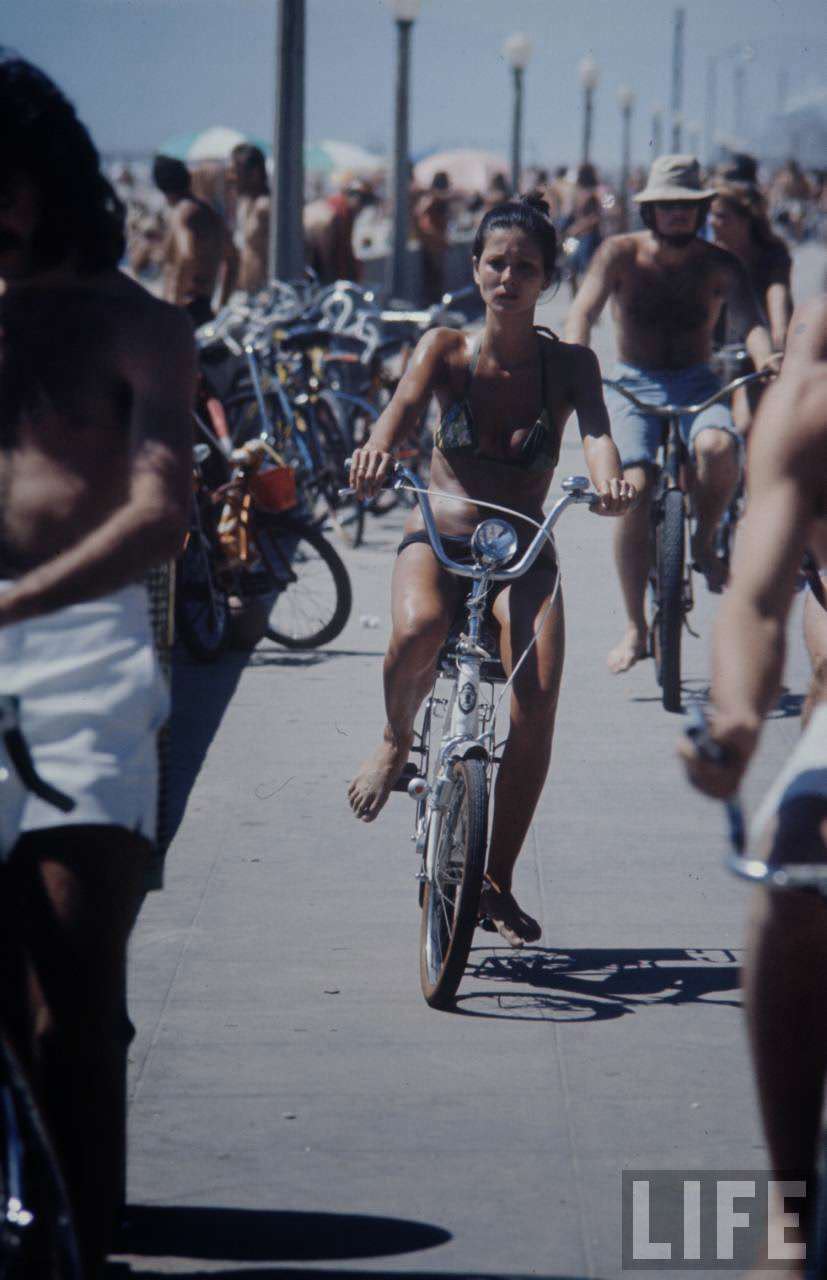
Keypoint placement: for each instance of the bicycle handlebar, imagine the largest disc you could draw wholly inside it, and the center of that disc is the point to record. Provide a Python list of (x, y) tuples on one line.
[(790, 875), (678, 410), (577, 491)]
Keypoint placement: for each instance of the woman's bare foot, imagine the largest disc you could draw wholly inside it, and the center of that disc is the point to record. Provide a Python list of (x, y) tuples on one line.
[(631, 649), (372, 785), (507, 916)]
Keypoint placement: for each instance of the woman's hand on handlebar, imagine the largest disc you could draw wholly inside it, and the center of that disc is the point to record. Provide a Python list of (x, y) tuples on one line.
[(369, 469), (614, 497)]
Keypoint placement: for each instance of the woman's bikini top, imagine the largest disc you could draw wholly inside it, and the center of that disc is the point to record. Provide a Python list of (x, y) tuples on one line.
[(457, 431)]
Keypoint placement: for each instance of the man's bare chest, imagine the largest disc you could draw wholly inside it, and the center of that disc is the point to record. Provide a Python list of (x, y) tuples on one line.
[(670, 300)]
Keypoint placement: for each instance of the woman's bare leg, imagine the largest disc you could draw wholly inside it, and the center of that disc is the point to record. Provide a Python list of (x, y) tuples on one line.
[(423, 600), (527, 753)]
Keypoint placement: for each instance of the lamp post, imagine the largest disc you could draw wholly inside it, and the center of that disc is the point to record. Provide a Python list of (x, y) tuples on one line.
[(405, 12), (657, 131), (677, 76), (286, 247), (518, 50), (589, 76), (626, 102)]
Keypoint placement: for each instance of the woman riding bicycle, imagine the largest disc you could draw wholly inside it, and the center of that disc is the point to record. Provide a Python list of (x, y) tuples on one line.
[(504, 400)]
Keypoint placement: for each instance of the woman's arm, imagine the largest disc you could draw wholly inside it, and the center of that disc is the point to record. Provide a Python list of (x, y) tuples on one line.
[(779, 306), (599, 449), (426, 369)]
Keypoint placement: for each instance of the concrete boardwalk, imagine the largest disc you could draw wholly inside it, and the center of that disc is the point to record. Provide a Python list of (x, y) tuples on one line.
[(297, 1109)]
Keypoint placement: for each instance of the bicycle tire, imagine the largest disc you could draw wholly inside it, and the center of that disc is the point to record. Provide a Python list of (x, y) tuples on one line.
[(202, 611), (40, 1243), (313, 596), (450, 906), (668, 622)]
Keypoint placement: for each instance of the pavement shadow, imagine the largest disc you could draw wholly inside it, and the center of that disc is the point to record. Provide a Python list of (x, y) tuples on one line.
[(256, 1235), (542, 984), (123, 1271), (695, 693), (200, 695)]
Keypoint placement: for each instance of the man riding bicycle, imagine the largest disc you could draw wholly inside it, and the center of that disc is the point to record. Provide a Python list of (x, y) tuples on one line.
[(786, 964), (667, 288), (96, 381)]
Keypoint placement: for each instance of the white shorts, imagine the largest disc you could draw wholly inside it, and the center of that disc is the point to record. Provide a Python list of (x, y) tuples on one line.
[(92, 699), (804, 775)]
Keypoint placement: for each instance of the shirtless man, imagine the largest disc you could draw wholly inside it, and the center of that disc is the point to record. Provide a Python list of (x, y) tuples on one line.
[(96, 382), (667, 288), (197, 245), (252, 218), (785, 973)]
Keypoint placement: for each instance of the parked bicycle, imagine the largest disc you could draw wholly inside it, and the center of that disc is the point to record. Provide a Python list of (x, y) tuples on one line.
[(37, 1237), (671, 595), (452, 781), (249, 540)]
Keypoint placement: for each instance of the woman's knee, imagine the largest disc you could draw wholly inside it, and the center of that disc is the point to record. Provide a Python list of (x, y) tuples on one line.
[(418, 634)]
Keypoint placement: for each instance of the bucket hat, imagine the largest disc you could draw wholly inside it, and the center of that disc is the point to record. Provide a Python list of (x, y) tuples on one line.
[(674, 178)]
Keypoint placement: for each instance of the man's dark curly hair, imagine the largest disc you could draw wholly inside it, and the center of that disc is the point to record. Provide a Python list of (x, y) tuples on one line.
[(41, 137)]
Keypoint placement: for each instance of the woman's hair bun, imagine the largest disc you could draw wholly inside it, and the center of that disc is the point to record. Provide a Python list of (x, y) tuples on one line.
[(537, 201)]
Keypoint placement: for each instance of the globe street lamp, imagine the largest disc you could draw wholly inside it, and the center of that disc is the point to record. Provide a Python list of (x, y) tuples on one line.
[(589, 76), (405, 12), (626, 102), (517, 49)]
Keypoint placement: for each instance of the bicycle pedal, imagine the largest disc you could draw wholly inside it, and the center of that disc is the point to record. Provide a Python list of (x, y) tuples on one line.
[(487, 924), (409, 771)]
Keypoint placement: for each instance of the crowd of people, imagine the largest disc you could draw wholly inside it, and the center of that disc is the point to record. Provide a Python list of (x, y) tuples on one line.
[(96, 383)]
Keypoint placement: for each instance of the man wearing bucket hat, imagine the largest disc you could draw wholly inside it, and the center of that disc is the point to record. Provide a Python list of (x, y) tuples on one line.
[(668, 287)]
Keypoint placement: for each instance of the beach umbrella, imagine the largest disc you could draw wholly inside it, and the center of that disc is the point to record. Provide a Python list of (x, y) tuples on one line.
[(469, 170), (214, 143), (331, 156)]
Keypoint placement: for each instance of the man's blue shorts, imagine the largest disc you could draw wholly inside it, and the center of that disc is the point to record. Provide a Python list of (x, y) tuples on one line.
[(638, 435)]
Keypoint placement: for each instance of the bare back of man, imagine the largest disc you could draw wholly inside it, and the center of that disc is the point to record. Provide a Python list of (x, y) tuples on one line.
[(194, 252), (72, 354), (251, 241)]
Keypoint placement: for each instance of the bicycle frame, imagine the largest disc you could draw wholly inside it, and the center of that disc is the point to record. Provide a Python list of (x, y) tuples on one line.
[(463, 736)]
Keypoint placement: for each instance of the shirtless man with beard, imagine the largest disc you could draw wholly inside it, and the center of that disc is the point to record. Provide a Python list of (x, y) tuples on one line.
[(96, 382), (667, 287)]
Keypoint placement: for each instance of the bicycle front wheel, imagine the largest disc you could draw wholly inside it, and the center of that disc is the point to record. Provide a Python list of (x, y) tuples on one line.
[(37, 1238), (668, 621), (450, 901), (312, 595)]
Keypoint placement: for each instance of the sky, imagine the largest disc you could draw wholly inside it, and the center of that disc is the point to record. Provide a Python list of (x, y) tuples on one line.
[(140, 71)]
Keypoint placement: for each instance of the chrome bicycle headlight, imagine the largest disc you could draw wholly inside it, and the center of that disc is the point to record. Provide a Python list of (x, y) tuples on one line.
[(494, 543)]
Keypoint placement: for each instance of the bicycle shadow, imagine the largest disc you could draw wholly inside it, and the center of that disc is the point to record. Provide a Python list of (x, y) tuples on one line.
[(594, 985), (695, 693), (261, 1235)]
